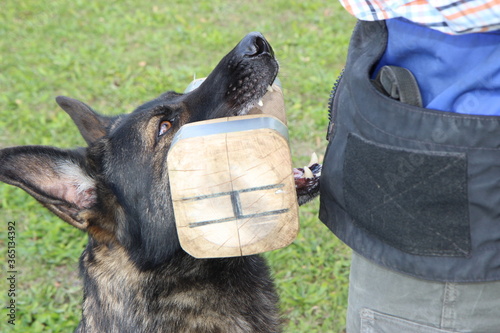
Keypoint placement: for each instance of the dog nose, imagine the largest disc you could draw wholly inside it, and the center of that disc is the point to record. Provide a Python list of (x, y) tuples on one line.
[(255, 44)]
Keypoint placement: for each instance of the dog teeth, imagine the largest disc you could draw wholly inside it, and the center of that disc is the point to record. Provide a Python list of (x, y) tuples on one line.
[(261, 104), (270, 88), (314, 159), (308, 173)]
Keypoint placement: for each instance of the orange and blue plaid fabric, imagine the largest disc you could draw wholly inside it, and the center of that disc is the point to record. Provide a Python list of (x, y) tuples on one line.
[(448, 16)]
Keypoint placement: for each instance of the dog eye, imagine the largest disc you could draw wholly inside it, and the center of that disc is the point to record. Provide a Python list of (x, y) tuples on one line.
[(165, 125)]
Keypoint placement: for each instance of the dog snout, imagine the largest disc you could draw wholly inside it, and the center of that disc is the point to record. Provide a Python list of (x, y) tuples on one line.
[(255, 44)]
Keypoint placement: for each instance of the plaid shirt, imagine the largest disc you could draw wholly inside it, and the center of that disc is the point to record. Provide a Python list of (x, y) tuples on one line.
[(449, 16)]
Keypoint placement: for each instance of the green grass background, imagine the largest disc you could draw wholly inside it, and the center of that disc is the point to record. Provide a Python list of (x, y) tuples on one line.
[(114, 55)]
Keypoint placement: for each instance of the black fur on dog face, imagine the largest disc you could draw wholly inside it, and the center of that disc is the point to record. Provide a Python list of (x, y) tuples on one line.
[(117, 189)]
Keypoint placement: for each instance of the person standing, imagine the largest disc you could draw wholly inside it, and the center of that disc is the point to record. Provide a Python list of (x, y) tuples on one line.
[(411, 175)]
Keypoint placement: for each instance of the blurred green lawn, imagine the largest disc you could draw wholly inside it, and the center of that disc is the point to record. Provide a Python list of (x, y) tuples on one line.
[(114, 55)]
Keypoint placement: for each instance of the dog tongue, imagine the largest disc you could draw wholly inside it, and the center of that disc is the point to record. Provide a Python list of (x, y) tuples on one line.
[(272, 103)]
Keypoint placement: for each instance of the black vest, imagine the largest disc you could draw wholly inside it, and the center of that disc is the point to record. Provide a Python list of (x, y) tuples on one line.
[(413, 189)]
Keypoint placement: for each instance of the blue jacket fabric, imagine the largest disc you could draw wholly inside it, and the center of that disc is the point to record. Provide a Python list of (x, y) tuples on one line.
[(456, 73)]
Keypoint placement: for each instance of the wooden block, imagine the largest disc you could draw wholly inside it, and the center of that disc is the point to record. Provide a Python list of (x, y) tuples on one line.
[(232, 186), (273, 104)]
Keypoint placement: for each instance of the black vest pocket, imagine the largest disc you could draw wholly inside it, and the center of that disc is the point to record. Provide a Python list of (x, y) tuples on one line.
[(415, 201)]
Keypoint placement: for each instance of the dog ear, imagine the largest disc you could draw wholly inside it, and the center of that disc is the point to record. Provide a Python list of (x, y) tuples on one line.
[(92, 126), (56, 178)]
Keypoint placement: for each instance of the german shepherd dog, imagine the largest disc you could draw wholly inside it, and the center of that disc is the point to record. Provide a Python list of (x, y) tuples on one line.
[(136, 277)]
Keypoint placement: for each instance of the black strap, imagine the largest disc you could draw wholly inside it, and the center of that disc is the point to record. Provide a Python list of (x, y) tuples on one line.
[(399, 84)]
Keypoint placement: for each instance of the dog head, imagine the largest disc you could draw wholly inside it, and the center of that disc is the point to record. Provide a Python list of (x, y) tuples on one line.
[(117, 188)]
